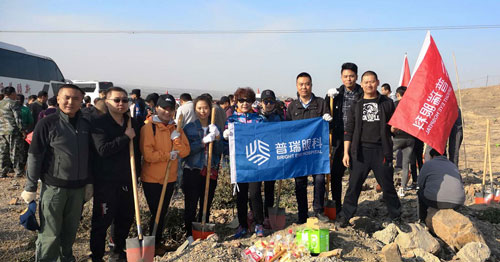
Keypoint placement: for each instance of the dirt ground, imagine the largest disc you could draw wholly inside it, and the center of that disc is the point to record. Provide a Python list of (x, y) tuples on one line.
[(479, 104)]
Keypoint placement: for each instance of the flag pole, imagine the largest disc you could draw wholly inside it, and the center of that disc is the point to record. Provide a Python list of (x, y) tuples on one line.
[(461, 108)]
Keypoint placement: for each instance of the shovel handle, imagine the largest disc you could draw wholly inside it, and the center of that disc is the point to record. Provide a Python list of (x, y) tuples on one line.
[(209, 172), (134, 183), (165, 183), (328, 176), (489, 159), (486, 150)]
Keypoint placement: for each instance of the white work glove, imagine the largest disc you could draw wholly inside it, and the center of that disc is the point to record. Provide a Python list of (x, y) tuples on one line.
[(210, 137), (174, 155), (213, 129), (332, 92), (28, 196), (226, 134), (89, 192), (175, 134), (327, 117)]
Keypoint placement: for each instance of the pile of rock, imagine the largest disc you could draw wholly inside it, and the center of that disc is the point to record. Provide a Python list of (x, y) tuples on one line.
[(456, 232)]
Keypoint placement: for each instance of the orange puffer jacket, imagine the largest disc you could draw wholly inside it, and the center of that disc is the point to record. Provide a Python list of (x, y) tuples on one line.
[(156, 149)]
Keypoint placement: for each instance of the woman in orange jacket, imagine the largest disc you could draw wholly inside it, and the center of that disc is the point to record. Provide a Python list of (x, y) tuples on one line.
[(160, 143)]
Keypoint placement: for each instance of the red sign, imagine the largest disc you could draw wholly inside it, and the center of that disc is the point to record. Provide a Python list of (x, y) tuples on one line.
[(428, 108)]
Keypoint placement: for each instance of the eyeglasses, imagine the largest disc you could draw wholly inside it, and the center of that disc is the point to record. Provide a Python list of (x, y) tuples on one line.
[(269, 102), (243, 100), (117, 100)]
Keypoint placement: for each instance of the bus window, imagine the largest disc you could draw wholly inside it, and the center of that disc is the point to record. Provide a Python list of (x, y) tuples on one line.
[(105, 85), (87, 88)]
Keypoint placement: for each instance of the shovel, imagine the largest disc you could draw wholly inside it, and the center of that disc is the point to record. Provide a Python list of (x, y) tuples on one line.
[(164, 187), (203, 230), (142, 248), (489, 197), (480, 197), (277, 217), (330, 208)]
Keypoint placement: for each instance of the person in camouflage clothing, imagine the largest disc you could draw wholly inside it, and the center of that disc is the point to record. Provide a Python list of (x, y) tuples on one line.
[(11, 134), (28, 126)]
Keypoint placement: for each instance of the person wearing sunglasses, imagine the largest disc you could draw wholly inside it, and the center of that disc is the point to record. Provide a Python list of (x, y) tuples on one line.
[(244, 114), (113, 198), (307, 105)]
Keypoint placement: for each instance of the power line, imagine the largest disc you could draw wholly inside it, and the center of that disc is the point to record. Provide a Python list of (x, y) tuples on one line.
[(263, 31)]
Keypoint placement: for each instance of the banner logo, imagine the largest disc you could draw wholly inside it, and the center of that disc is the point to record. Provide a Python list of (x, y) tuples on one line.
[(257, 152)]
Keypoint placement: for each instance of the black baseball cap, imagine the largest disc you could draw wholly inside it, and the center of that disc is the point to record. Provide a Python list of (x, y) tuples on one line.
[(268, 94), (166, 101)]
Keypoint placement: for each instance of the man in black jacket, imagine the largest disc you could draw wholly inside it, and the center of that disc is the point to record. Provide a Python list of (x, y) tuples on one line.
[(367, 140), (113, 197), (58, 155), (343, 98), (308, 106)]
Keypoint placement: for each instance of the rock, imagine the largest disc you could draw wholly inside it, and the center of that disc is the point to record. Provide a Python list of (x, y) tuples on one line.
[(387, 235), (426, 256), (336, 253), (474, 252), (364, 223), (453, 228), (182, 247), (213, 237), (13, 201), (418, 237), (391, 253)]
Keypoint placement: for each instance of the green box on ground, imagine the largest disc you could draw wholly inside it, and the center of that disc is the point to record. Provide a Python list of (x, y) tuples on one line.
[(315, 240)]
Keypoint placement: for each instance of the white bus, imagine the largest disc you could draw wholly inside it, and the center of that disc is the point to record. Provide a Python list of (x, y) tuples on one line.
[(28, 73), (92, 88)]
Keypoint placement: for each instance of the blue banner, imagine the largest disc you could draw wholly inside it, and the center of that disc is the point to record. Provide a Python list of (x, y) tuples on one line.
[(278, 150)]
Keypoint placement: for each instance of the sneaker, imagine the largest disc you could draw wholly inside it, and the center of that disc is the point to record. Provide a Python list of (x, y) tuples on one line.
[(241, 232), (267, 223), (342, 222), (321, 217), (401, 192), (413, 186), (259, 230)]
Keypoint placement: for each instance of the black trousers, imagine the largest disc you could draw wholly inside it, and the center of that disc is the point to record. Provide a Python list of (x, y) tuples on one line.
[(193, 185), (301, 195), (259, 210), (371, 159), (337, 172), (424, 204), (416, 161), (113, 204), (152, 191)]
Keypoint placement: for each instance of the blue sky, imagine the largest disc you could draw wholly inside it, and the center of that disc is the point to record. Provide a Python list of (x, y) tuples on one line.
[(263, 61)]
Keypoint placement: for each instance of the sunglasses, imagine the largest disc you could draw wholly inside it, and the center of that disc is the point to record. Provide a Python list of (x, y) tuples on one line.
[(267, 102), (243, 100), (117, 100)]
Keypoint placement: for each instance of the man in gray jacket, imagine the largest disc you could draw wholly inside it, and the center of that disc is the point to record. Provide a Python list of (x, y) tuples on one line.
[(58, 156), (440, 185)]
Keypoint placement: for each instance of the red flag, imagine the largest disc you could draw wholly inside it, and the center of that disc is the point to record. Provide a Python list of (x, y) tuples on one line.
[(404, 79), (429, 107)]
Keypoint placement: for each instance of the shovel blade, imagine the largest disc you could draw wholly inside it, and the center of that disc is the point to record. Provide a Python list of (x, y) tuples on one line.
[(277, 218), (479, 198), (330, 209), (202, 231), (497, 196), (140, 250)]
